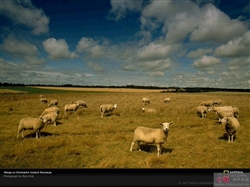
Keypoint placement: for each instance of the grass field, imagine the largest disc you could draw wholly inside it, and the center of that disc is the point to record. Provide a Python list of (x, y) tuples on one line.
[(85, 140)]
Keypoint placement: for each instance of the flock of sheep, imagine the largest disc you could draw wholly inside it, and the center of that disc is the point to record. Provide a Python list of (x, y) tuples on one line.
[(227, 115)]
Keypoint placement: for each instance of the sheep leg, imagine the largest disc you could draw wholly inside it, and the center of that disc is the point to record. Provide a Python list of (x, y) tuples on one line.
[(55, 123), (23, 133), (158, 149), (138, 146), (131, 148), (229, 137), (37, 134)]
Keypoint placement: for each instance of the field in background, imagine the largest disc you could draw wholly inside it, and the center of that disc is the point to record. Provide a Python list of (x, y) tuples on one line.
[(85, 140)]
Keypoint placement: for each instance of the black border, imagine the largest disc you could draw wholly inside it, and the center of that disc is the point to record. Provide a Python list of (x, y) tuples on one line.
[(114, 177)]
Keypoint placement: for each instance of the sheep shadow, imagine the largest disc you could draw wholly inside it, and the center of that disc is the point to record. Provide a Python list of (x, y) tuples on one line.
[(43, 134), (225, 137), (153, 148)]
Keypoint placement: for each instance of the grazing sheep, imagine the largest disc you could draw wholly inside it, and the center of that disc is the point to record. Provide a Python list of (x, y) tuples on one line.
[(50, 109), (41, 96), (231, 126), (208, 103), (82, 103), (43, 100), (201, 111), (107, 108), (151, 136), (166, 100), (223, 111), (149, 110), (145, 100), (216, 102), (36, 124), (70, 107), (52, 116), (222, 114), (53, 103), (236, 112)]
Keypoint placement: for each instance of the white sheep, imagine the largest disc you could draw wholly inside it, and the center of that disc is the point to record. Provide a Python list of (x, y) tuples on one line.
[(53, 116), (36, 124), (201, 111), (149, 110), (50, 109), (43, 100), (82, 103), (107, 108), (71, 107), (151, 136), (231, 126), (223, 111), (41, 96), (145, 100), (236, 112), (167, 100), (207, 103), (216, 102), (222, 114), (53, 103)]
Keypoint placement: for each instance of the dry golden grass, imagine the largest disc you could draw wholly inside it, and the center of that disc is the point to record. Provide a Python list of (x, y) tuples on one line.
[(85, 140)]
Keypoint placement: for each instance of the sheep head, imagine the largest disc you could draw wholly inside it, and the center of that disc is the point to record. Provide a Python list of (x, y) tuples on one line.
[(166, 126)]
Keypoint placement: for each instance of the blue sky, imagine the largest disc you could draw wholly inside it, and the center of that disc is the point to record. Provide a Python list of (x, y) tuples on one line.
[(181, 43)]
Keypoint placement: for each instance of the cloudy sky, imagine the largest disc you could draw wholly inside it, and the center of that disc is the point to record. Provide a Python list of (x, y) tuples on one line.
[(185, 43)]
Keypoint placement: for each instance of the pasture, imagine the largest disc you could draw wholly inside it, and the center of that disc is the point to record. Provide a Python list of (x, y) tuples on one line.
[(85, 140)]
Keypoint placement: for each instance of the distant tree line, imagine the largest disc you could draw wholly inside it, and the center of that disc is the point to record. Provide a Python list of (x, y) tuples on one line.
[(163, 89)]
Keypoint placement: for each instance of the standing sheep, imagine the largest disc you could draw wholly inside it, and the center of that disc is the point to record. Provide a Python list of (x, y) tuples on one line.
[(36, 124), (151, 136), (107, 108), (50, 109), (201, 111), (145, 101), (149, 110), (223, 111), (231, 126), (70, 107), (53, 103), (52, 116), (167, 100)]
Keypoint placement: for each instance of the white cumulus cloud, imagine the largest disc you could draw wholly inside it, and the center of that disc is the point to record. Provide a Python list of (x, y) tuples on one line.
[(24, 13), (58, 49), (206, 61)]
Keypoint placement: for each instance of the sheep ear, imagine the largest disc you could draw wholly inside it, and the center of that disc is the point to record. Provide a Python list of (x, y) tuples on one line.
[(161, 124), (171, 123)]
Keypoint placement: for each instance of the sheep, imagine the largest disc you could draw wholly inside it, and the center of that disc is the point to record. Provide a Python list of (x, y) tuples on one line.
[(223, 114), (208, 103), (201, 111), (107, 108), (231, 126), (52, 116), (236, 112), (145, 100), (43, 100), (36, 124), (70, 107), (51, 109), (166, 100), (217, 102), (151, 136), (82, 103), (41, 96), (53, 103), (149, 110)]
